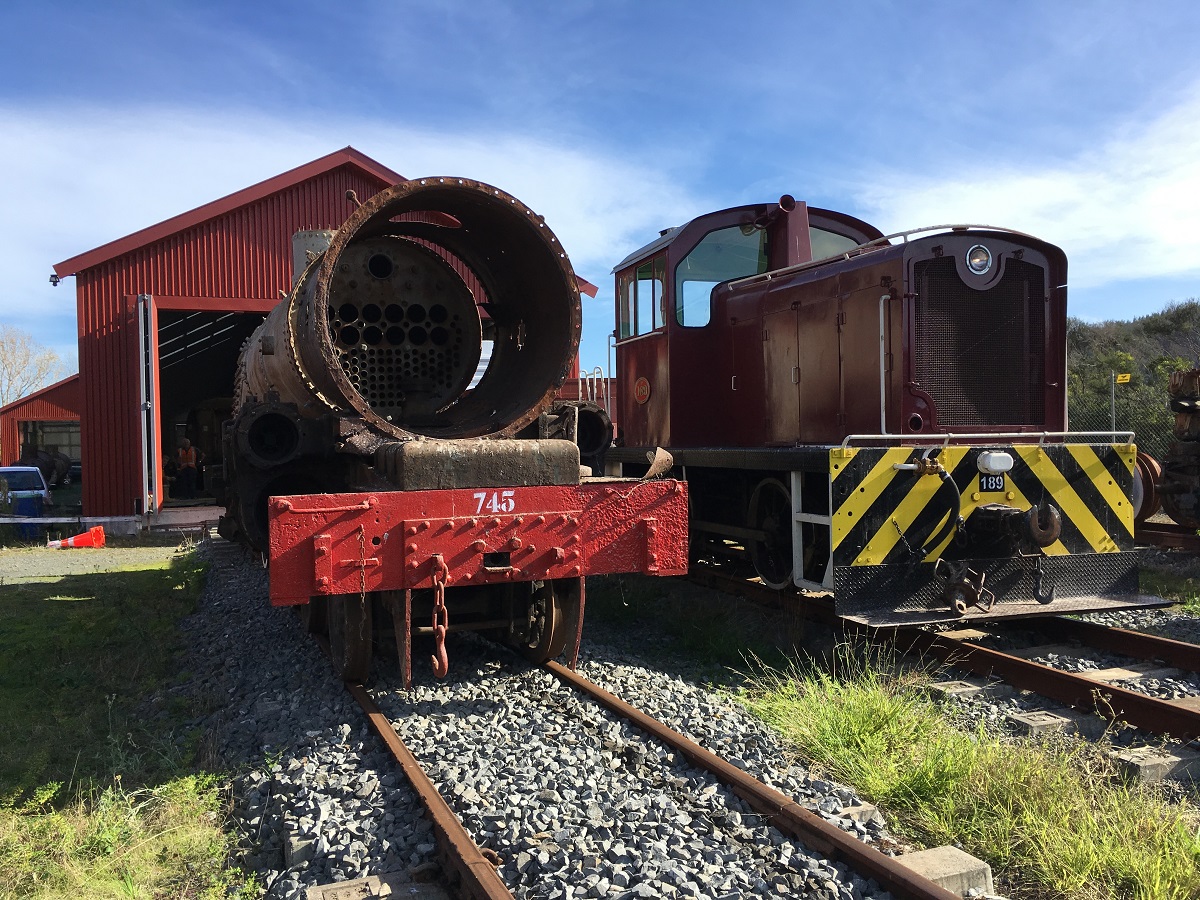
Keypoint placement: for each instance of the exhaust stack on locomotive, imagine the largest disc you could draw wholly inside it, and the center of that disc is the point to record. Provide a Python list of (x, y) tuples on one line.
[(393, 443), (880, 417)]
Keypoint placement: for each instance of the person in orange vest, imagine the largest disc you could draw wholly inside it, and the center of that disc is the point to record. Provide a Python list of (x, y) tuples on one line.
[(188, 457)]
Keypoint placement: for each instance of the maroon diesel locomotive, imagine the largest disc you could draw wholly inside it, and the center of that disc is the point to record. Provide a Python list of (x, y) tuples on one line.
[(879, 417)]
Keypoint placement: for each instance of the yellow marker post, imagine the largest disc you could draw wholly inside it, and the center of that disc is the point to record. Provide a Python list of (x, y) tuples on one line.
[(1117, 378)]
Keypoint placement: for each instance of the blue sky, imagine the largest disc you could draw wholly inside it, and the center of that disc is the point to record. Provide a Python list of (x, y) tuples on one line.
[(1076, 121)]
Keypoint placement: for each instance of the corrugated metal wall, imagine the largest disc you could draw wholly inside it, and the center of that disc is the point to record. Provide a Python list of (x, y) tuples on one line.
[(245, 253), (60, 403)]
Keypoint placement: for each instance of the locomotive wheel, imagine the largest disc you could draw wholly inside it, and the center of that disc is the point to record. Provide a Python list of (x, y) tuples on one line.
[(1147, 474), (546, 624), (348, 618), (771, 513), (313, 616)]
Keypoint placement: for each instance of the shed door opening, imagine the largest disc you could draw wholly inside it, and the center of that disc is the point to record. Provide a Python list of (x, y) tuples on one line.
[(62, 437), (197, 363)]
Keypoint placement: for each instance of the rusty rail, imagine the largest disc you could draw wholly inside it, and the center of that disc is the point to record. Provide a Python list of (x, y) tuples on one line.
[(1114, 703), (783, 812), (1136, 644), (1162, 534), (1107, 700), (479, 878)]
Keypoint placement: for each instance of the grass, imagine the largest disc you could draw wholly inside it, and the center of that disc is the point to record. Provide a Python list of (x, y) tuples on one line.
[(1182, 589), (1050, 815), (112, 842), (98, 799)]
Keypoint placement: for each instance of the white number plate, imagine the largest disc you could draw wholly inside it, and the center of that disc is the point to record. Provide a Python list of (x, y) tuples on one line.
[(495, 501), (990, 483)]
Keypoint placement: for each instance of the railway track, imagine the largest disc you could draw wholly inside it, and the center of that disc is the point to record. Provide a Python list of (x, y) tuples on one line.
[(1095, 691), (1167, 534), (498, 740), (470, 871), (473, 872), (1109, 692), (783, 812)]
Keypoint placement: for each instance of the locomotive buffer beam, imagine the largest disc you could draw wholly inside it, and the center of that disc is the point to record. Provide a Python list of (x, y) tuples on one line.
[(1049, 531), (479, 543)]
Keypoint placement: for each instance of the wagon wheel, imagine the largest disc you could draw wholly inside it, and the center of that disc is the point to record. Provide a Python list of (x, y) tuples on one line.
[(546, 622), (1178, 485), (348, 618), (1147, 474), (313, 616), (771, 514)]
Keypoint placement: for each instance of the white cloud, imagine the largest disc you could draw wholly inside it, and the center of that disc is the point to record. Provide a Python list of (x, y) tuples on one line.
[(1124, 207), (79, 179)]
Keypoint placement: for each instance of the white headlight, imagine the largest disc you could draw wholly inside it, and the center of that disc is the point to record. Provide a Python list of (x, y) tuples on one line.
[(994, 462), (979, 259)]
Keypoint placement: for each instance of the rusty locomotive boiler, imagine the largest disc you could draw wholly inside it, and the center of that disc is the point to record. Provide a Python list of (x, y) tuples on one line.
[(879, 418), (396, 449)]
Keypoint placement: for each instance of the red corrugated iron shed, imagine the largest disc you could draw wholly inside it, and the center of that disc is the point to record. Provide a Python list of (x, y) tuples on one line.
[(57, 403), (231, 255)]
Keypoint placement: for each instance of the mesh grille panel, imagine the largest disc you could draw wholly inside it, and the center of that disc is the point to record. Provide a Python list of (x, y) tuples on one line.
[(981, 354), (901, 594)]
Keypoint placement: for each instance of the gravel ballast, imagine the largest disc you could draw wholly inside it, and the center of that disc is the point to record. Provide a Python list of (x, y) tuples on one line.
[(579, 803), (576, 803)]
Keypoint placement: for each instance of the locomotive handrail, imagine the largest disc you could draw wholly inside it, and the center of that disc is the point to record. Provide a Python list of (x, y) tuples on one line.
[(959, 227), (872, 245), (945, 439), (287, 506)]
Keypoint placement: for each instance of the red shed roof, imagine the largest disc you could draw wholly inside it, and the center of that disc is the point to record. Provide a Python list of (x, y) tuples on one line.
[(40, 394), (183, 221)]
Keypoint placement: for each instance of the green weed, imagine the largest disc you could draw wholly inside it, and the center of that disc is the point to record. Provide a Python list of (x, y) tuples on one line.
[(712, 628), (154, 842), (1049, 814), (1172, 586)]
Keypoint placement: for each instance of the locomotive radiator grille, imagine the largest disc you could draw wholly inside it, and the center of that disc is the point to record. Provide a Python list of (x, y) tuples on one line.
[(980, 354)]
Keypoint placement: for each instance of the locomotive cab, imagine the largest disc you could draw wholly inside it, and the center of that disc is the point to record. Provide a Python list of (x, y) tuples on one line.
[(680, 339), (880, 417)]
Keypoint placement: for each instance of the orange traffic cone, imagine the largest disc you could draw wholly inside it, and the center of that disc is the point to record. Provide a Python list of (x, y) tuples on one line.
[(93, 537)]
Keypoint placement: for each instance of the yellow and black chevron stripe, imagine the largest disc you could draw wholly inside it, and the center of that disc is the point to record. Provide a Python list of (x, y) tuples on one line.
[(885, 516)]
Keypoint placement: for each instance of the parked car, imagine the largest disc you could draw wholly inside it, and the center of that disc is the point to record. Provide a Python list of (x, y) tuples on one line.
[(22, 483)]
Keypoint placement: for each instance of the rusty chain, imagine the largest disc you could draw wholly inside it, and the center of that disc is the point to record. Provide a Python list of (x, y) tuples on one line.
[(441, 617)]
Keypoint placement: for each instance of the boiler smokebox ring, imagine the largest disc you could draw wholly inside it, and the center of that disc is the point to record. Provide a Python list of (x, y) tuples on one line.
[(527, 294)]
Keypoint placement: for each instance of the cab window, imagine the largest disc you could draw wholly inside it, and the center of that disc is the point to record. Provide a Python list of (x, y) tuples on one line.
[(641, 306), (828, 243), (625, 305), (721, 255)]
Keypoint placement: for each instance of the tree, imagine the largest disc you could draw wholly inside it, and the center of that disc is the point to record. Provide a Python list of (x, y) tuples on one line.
[(1149, 349), (25, 365)]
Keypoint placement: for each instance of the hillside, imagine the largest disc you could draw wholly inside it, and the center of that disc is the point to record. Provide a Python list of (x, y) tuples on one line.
[(1149, 349)]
